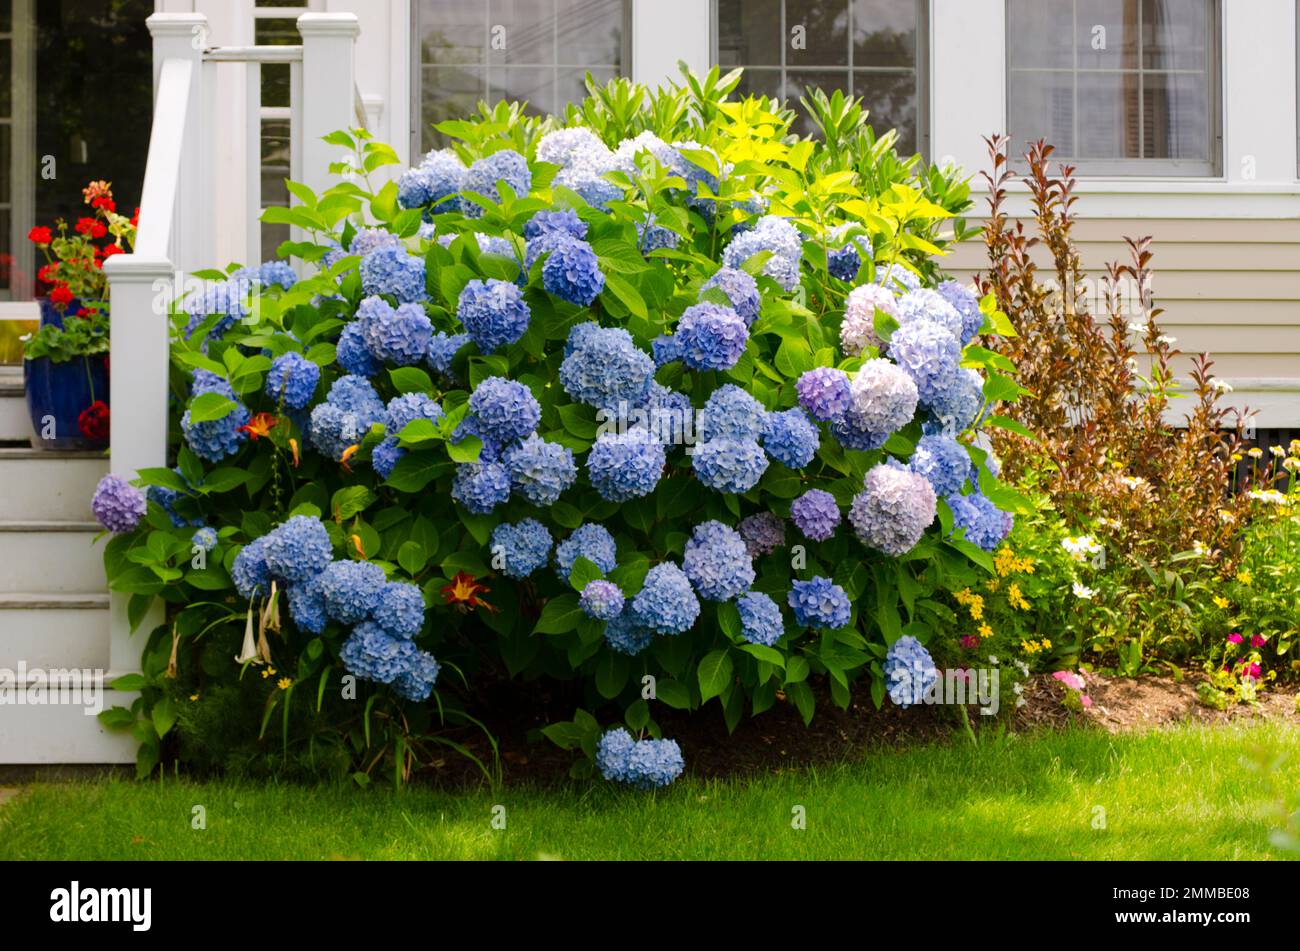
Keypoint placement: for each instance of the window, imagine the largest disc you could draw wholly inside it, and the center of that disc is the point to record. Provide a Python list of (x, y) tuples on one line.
[(526, 50), (1120, 87), (874, 49), (275, 23)]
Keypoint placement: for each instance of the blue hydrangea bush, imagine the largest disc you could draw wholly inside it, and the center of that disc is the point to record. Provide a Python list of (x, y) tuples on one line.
[(658, 397)]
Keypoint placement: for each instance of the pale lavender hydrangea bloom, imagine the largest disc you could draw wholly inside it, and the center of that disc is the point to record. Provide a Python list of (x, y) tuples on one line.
[(883, 397), (893, 510), (858, 330)]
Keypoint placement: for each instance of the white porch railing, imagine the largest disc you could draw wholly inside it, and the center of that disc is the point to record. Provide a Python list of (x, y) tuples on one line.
[(177, 229)]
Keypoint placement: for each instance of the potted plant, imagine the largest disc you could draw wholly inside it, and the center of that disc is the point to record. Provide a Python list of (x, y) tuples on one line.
[(66, 360)]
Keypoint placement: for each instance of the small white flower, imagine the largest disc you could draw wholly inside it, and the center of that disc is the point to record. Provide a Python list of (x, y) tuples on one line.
[(1018, 688), (1271, 496), (1133, 482), (1277, 451), (1138, 328), (1199, 548), (1021, 701), (1166, 340), (993, 660), (1083, 592), (1221, 386)]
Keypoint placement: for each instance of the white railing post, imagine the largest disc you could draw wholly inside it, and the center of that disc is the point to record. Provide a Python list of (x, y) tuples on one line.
[(329, 92), (184, 36)]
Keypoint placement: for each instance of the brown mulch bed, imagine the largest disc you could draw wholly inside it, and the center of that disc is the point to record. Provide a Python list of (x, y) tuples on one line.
[(778, 740)]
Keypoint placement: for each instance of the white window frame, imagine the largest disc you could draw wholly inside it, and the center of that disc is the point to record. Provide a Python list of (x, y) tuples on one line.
[(921, 68), (1141, 167), (22, 150)]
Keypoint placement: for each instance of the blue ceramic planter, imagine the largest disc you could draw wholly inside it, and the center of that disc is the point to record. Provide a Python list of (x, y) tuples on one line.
[(58, 393)]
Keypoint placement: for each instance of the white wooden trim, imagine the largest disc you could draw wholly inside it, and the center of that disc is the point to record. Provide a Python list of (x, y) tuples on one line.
[(329, 71), (665, 31), (22, 150)]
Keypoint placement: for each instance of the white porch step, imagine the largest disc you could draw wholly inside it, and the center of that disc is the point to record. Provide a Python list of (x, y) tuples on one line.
[(41, 484), (15, 423), (51, 557), (63, 732), (54, 630)]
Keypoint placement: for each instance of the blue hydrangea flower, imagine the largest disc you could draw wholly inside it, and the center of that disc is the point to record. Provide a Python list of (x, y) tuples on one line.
[(215, 439), (760, 619), (372, 239), (394, 270), (505, 166), (653, 764), (443, 349), (790, 438), (416, 682), (852, 435), (666, 603), (520, 549), (819, 603), (893, 510), (405, 409), (909, 671), (227, 298), (572, 272), (601, 599), (494, 312), (166, 498), (493, 445), (604, 368), (986, 525), (334, 430), (770, 233), (590, 541), (717, 561), (480, 486), (929, 354), (652, 237), (539, 470), (669, 415), (563, 220), (306, 606), (249, 571), (371, 653), (504, 410), (612, 752), (858, 328), (967, 305), (268, 274), (625, 635), (740, 288), (352, 353), (563, 146), (763, 532), (354, 394), (731, 413), (943, 462), (925, 304), (816, 514), (117, 504), (824, 393), (398, 335), (666, 350), (897, 278), (845, 262), (434, 183), (205, 538), (292, 377), (385, 457), (298, 549), (401, 609), (729, 465), (958, 407), (883, 397), (627, 465), (351, 590), (711, 337), (538, 247)]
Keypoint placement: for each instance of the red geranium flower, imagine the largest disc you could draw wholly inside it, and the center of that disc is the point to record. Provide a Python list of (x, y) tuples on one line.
[(48, 273), (61, 295), (91, 227), (135, 219), (105, 202), (113, 249), (93, 421), (41, 235)]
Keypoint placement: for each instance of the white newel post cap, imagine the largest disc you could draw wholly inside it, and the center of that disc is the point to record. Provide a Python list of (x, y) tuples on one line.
[(176, 25), (329, 24)]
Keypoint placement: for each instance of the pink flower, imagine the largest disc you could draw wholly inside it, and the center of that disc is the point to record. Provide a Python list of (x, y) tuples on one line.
[(1070, 679), (1254, 671), (1234, 638), (970, 641), (1085, 700), (1258, 640)]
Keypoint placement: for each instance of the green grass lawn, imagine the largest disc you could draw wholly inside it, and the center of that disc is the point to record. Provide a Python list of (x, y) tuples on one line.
[(1190, 793)]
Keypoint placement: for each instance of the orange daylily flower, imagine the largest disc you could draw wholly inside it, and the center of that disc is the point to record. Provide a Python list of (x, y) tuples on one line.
[(293, 447), (348, 453), (356, 542), (260, 425), (463, 593)]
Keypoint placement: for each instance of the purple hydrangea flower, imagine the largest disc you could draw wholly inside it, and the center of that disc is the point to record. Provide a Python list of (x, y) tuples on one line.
[(858, 329), (824, 392), (117, 504), (711, 337), (763, 532), (816, 514), (893, 510), (883, 397), (601, 600)]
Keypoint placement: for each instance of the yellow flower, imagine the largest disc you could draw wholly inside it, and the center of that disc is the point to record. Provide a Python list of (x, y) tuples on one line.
[(269, 672), (1015, 598), (985, 631), (1255, 453), (1244, 576), (976, 607), (993, 584), (1221, 603), (1236, 457), (285, 683), (1030, 647), (1047, 645), (963, 596), (193, 697)]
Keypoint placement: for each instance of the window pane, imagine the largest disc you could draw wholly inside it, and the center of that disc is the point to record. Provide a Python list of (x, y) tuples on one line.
[(531, 84), (6, 16), (1041, 105), (1040, 33), (275, 162), (589, 33), (1175, 34), (817, 32), (6, 257), (6, 166), (6, 83), (749, 33), (1108, 115), (448, 92), (891, 101), (453, 31), (1107, 35), (570, 87), (1175, 114), (884, 33), (526, 30), (760, 82)]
